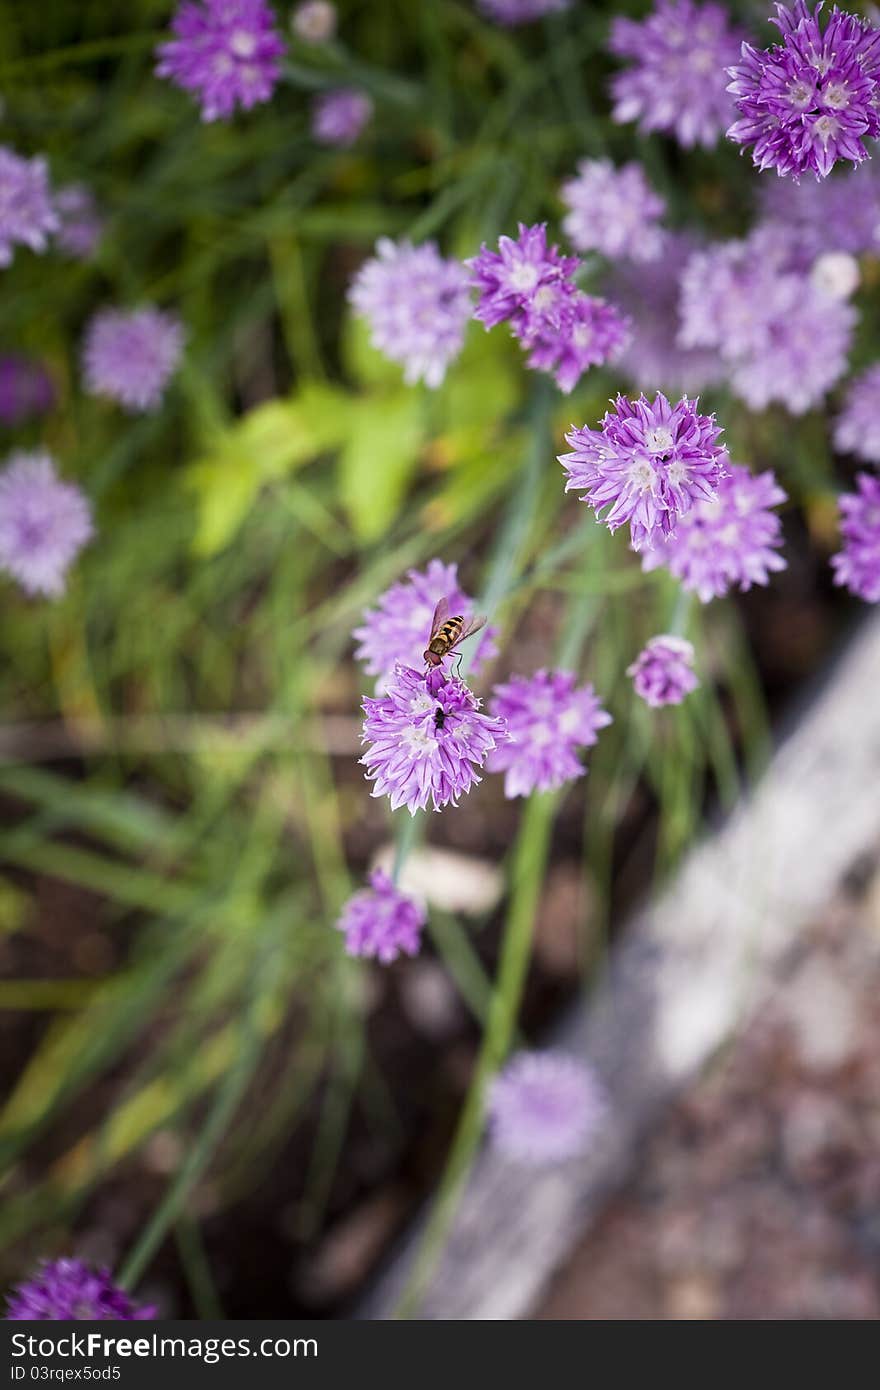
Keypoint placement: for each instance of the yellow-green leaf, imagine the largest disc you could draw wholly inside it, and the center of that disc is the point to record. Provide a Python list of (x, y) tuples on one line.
[(379, 459)]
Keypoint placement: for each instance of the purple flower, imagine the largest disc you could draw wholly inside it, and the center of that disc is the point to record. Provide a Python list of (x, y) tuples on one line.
[(26, 389), (69, 1291), (27, 211), (508, 280), (226, 52), (513, 12), (314, 21), (811, 100), (544, 1107), (648, 293), (731, 540), (426, 736), (840, 213), (80, 225), (43, 523), (677, 80), (548, 719), (339, 116), (663, 672), (566, 331), (417, 305), (396, 632), (857, 430), (858, 564), (130, 356), (648, 464), (614, 211), (380, 922)]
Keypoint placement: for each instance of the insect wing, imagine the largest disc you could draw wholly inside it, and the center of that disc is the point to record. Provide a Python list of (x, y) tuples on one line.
[(471, 627), (441, 613)]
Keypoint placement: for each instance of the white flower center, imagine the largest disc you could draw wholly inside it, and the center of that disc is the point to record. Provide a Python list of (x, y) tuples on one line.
[(242, 44), (825, 128), (659, 440), (524, 276), (836, 95), (642, 475), (800, 95)]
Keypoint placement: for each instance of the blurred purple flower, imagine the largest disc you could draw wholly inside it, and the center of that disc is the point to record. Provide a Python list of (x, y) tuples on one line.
[(566, 331), (43, 523), (731, 540), (857, 565), (649, 463), (857, 430), (26, 389), (426, 736), (417, 305), (677, 81), (339, 116), (614, 211), (69, 1291), (80, 225), (131, 355), (226, 52), (649, 293), (812, 99), (544, 1107), (840, 213), (27, 210), (548, 719), (512, 12), (507, 280), (663, 671), (380, 922), (396, 632), (314, 21)]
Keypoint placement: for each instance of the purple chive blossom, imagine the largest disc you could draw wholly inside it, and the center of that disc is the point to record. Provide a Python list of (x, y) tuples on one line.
[(513, 12), (857, 430), (427, 736), (380, 922), (840, 213), (314, 21), (26, 389), (812, 99), (781, 336), (69, 1291), (649, 463), (507, 280), (677, 78), (544, 1107), (614, 211), (43, 523), (339, 116), (732, 540), (663, 672), (648, 292), (858, 565), (548, 720), (130, 356), (417, 305), (397, 630), (80, 225), (27, 210), (226, 52)]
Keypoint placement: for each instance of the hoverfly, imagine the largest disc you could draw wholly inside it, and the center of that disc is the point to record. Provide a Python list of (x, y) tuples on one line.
[(446, 633)]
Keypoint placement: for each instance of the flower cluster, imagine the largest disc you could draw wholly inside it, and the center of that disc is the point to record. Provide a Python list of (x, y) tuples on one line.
[(614, 211), (857, 429), (857, 566), (529, 284), (781, 336), (130, 356), (426, 737), (80, 225), (381, 923), (28, 215), (43, 523), (417, 306), (339, 116), (396, 632), (648, 464), (226, 52), (544, 1107), (548, 720), (812, 99), (26, 389), (663, 672), (840, 213), (513, 12), (676, 81), (69, 1291), (731, 540)]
